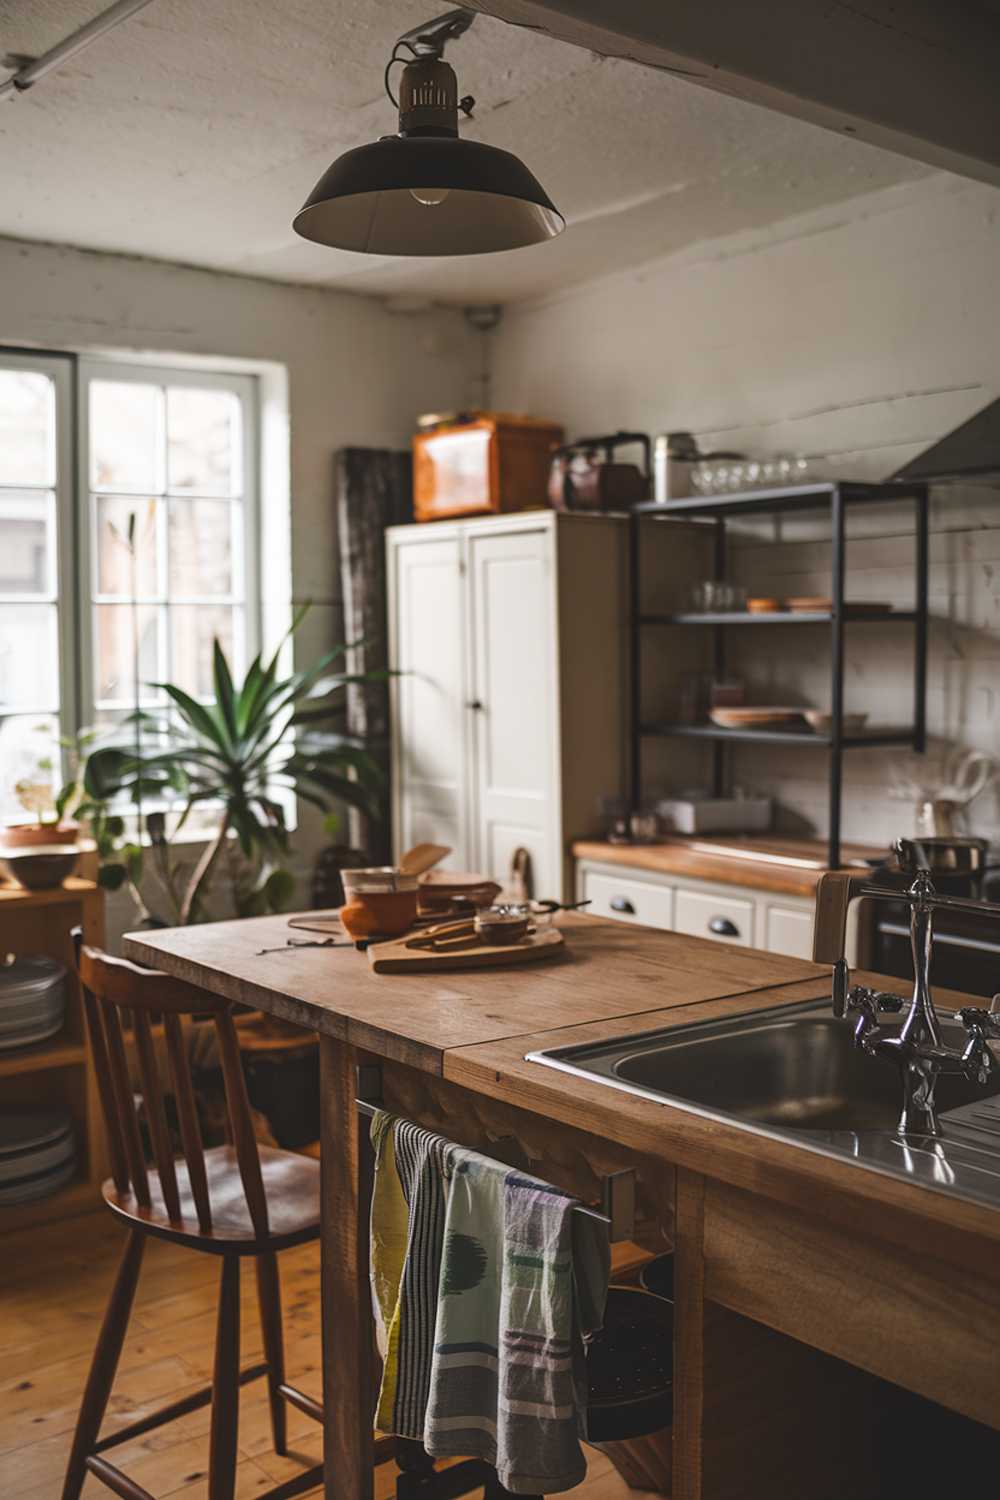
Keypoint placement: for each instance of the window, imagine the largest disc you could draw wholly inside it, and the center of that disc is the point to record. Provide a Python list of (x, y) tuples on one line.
[(129, 587), (36, 529), (167, 464)]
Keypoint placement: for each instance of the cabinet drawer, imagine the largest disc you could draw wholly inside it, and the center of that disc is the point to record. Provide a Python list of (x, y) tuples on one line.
[(629, 900), (789, 931), (723, 918)]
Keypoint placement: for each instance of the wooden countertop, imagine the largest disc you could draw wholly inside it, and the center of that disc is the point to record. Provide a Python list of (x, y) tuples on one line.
[(608, 971), (694, 857), (474, 1028)]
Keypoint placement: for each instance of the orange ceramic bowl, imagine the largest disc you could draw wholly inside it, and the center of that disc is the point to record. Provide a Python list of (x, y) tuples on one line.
[(380, 902)]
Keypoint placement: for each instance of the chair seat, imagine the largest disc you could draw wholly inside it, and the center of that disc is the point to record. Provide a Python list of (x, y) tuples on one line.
[(291, 1186)]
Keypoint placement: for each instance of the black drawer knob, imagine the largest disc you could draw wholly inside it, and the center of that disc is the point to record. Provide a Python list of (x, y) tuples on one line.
[(622, 904), (723, 927)]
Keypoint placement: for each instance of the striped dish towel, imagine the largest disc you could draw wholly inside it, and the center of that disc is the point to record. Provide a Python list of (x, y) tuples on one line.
[(523, 1282), (407, 1231)]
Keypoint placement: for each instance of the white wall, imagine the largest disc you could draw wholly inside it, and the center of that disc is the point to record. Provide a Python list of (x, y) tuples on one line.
[(861, 333), (357, 374)]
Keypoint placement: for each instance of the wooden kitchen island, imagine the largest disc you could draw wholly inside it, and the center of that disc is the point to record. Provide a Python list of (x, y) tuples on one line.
[(837, 1328)]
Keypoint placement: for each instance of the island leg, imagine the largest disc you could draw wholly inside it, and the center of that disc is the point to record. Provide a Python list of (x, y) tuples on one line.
[(346, 1313)]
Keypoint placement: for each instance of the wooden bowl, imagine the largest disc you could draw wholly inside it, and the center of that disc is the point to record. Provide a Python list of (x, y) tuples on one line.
[(39, 869), (439, 889)]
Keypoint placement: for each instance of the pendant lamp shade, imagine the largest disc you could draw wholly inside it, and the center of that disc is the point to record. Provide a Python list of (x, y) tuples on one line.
[(428, 195)]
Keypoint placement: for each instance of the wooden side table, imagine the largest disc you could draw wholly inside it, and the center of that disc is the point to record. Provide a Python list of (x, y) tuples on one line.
[(56, 1073)]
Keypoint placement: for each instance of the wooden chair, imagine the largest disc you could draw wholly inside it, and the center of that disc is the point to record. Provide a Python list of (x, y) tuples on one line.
[(231, 1201)]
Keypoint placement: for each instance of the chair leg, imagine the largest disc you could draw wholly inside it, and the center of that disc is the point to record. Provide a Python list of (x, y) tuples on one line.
[(104, 1364), (269, 1299), (225, 1386)]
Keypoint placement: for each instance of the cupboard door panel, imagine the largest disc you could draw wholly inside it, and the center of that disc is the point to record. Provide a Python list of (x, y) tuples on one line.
[(514, 720), (640, 901), (429, 720), (726, 919), (788, 930)]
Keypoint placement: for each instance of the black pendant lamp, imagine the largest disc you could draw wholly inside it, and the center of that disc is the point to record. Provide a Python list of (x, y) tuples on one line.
[(426, 191)]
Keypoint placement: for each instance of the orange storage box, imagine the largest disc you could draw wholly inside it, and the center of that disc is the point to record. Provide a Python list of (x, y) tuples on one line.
[(485, 465)]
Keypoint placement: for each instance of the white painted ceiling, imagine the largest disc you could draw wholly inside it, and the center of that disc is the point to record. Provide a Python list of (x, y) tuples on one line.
[(194, 131)]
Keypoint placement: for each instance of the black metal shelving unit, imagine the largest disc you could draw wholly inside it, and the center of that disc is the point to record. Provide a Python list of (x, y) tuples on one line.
[(838, 497)]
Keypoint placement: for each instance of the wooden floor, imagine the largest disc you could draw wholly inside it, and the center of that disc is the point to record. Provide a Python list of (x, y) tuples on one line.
[(53, 1282)]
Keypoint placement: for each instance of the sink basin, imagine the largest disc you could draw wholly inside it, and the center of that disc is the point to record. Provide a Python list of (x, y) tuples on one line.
[(794, 1069)]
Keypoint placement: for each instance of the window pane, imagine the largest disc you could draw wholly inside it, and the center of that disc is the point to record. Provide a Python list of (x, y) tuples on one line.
[(27, 544), (192, 632), (201, 547), (114, 552), (203, 441), (29, 657), (30, 769), (114, 654), (126, 436), (27, 428)]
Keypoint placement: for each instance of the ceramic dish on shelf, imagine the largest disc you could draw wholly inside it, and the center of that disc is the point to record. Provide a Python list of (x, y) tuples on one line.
[(32, 1001), (822, 722), (762, 716), (763, 605), (37, 1156), (39, 869), (822, 604)]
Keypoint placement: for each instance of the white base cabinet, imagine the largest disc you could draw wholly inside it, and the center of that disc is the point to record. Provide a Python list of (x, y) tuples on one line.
[(509, 713), (699, 908)]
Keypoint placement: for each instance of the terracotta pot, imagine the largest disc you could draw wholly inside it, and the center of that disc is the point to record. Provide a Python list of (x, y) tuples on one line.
[(32, 835)]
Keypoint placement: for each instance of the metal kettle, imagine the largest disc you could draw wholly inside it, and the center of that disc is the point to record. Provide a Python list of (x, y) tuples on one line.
[(585, 476)]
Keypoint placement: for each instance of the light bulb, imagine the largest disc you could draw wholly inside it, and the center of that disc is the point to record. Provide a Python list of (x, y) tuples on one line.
[(428, 196)]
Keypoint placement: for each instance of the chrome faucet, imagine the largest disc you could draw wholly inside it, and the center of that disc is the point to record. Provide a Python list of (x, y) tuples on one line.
[(915, 1048)]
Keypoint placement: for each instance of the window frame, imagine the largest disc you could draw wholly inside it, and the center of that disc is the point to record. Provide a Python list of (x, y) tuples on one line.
[(162, 373), (59, 368)]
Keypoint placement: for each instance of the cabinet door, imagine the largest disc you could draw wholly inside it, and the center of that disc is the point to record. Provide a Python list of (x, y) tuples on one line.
[(515, 713), (429, 720), (789, 930)]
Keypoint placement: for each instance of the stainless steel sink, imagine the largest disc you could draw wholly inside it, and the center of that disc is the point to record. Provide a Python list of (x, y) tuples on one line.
[(796, 1071)]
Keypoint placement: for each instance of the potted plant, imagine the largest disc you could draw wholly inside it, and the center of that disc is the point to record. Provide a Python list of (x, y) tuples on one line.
[(52, 806), (239, 757)]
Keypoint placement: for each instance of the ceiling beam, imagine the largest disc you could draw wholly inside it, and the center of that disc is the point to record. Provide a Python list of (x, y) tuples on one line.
[(913, 76)]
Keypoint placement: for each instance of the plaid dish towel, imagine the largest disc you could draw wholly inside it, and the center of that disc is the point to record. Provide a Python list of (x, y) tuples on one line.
[(523, 1283)]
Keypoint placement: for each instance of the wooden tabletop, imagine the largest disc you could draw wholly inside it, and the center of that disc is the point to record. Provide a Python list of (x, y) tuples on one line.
[(702, 858), (607, 971)]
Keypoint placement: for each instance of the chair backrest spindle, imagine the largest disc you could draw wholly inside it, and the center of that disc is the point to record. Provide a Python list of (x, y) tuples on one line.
[(187, 1118)]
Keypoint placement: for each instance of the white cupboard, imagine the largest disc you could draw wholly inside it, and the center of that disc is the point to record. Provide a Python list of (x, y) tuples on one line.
[(509, 713)]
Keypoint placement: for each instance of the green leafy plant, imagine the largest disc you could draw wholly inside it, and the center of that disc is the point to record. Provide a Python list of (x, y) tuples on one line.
[(37, 790), (265, 735)]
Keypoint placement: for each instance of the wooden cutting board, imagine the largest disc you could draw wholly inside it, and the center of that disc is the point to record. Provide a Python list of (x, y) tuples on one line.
[(398, 958)]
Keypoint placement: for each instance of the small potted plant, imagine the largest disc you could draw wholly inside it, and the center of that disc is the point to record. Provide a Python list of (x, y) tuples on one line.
[(51, 805)]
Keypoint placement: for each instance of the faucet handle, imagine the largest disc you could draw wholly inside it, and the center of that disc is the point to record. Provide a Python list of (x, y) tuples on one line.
[(980, 1023), (841, 988), (977, 1060)]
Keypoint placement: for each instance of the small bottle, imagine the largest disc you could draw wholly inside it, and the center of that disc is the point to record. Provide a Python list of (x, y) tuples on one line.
[(675, 455)]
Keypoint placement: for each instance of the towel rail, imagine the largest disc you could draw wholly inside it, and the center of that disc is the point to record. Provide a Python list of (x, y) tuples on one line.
[(617, 1189)]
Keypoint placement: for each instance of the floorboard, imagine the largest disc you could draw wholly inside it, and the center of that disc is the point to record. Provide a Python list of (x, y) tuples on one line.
[(52, 1291)]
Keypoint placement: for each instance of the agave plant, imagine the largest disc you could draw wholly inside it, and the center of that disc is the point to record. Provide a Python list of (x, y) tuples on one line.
[(261, 735)]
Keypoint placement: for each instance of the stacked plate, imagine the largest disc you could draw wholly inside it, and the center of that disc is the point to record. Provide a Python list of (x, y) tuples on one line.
[(37, 1156), (32, 1001)]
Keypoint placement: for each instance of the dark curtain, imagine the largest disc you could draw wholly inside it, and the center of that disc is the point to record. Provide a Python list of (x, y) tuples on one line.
[(374, 490)]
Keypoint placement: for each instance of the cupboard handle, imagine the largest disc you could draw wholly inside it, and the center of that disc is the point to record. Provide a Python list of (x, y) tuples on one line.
[(723, 927), (623, 904)]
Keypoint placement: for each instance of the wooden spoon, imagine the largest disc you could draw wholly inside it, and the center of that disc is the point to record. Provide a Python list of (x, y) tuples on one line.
[(423, 857)]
